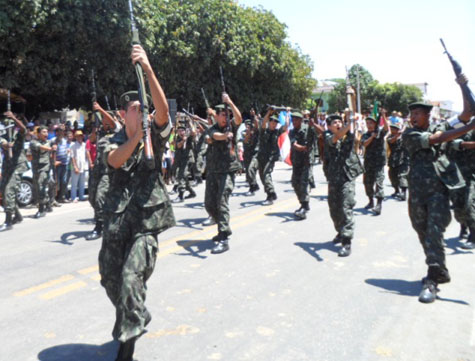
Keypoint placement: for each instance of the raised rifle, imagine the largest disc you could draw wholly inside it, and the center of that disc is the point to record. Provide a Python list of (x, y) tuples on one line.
[(207, 104), (97, 119), (467, 93), (10, 129), (350, 100), (192, 116), (228, 121), (144, 107)]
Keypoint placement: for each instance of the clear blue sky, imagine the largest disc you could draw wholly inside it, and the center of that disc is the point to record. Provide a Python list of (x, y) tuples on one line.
[(393, 40)]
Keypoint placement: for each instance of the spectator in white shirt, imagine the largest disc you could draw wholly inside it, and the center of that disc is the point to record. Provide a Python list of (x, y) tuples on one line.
[(79, 167)]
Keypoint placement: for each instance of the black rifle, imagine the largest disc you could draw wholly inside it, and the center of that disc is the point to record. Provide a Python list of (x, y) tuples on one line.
[(467, 93), (97, 119), (148, 150), (207, 104), (228, 121), (10, 129)]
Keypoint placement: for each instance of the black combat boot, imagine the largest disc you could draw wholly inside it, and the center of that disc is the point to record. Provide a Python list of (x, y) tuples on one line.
[(300, 213), (41, 211), (18, 217), (180, 197), (470, 244), (402, 194), (337, 239), (96, 232), (274, 196), (49, 208), (463, 231), (370, 204), (269, 200), (191, 194), (198, 180), (222, 243), (8, 222), (396, 192), (126, 350), (429, 288), (379, 206), (345, 250)]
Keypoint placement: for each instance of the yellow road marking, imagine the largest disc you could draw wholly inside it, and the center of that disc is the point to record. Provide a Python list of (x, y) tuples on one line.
[(85, 271), (43, 286), (95, 277), (63, 290)]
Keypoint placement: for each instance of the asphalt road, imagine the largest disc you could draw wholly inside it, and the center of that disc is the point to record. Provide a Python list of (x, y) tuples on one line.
[(281, 292)]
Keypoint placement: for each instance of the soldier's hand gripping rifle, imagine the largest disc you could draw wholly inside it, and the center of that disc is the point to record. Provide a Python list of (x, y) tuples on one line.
[(195, 118), (144, 106), (10, 129), (467, 93), (228, 121)]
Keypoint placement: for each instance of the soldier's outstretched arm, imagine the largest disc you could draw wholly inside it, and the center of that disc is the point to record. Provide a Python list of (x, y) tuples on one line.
[(341, 133), (441, 137), (236, 113)]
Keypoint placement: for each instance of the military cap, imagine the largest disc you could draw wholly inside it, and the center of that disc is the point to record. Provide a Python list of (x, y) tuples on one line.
[(248, 121), (274, 118), (332, 117), (296, 114), (395, 125), (422, 105), (181, 124), (372, 119), (131, 96), (220, 106)]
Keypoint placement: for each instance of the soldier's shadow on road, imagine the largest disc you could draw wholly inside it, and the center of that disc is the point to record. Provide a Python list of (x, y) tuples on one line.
[(362, 211), (454, 244), (80, 352), (68, 237), (197, 205), (251, 203), (320, 198), (405, 288), (286, 216), (87, 221), (313, 248), (195, 247), (194, 223)]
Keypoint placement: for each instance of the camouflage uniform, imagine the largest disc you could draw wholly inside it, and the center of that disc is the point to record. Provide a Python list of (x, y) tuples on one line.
[(267, 155), (41, 165), (374, 162), (183, 157), (98, 183), (301, 161), (221, 169), (398, 163), (12, 170), (343, 166), (137, 209), (199, 152), (251, 165), (431, 177), (464, 198)]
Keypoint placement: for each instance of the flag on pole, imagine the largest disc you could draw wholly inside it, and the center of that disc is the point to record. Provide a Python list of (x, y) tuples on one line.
[(284, 145)]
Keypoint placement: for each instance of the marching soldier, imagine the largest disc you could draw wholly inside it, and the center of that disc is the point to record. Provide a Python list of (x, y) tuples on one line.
[(200, 151), (269, 152), (251, 147), (374, 161), (12, 169), (220, 176), (398, 162), (41, 151), (431, 177), (343, 166), (137, 209)]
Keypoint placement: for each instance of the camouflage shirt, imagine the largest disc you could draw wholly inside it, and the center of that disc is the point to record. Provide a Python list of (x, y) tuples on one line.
[(465, 158), (136, 186), (223, 157), (430, 169), (268, 144), (252, 146), (375, 152), (185, 153), (305, 136), (18, 163), (398, 155), (342, 162), (41, 158)]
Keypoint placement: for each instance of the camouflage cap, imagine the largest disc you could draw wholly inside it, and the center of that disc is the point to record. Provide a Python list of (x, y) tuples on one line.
[(274, 118), (333, 117), (423, 105), (372, 119), (220, 106), (395, 125), (131, 96), (296, 114)]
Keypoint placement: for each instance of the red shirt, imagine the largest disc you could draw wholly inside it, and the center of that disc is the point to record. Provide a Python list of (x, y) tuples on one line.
[(92, 149)]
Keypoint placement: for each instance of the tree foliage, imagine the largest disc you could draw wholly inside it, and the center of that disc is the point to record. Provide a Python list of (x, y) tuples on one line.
[(49, 47), (392, 96)]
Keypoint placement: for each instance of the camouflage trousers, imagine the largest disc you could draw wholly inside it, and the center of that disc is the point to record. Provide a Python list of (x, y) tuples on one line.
[(300, 183), (398, 176), (10, 188), (341, 200), (251, 166), (463, 200), (219, 187), (311, 178), (265, 173), (41, 180), (199, 165), (126, 261), (429, 212), (373, 179), (182, 175), (97, 188)]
